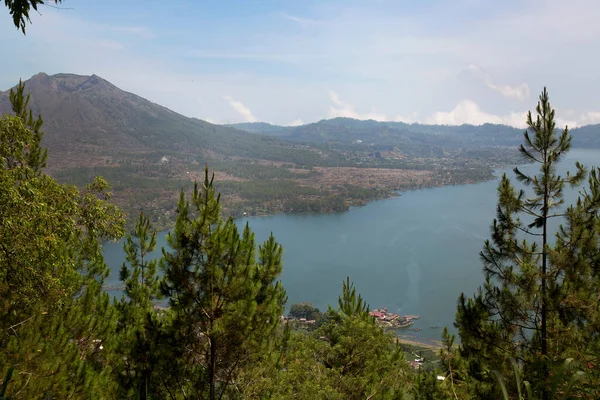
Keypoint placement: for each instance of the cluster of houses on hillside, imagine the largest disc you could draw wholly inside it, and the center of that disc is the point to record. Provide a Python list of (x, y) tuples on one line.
[(381, 315), (303, 321)]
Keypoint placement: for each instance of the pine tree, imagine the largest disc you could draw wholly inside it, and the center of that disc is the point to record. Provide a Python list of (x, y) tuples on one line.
[(36, 154), (517, 313), (226, 304), (139, 325), (142, 286), (350, 304), (360, 357), (577, 252)]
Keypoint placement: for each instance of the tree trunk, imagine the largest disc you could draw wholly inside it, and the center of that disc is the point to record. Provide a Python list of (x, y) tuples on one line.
[(212, 369), (544, 345)]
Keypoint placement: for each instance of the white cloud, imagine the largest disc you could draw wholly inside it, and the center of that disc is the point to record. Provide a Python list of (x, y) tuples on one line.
[(241, 109), (210, 121), (343, 109), (408, 119), (468, 112), (296, 122), (465, 112), (518, 92), (590, 117)]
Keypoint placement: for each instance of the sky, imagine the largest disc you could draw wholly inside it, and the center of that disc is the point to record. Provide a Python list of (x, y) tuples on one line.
[(290, 62)]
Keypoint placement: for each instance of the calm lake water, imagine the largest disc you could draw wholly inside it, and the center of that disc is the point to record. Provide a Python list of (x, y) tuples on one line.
[(413, 254)]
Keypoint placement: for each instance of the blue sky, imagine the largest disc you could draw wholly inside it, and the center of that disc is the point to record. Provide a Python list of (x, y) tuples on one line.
[(292, 61)]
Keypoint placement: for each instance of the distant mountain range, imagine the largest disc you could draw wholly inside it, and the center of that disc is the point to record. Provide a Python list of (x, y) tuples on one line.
[(381, 133)]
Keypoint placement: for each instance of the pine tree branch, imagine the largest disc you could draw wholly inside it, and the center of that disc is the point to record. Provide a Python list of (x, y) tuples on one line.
[(528, 231), (529, 212), (557, 215), (20, 323)]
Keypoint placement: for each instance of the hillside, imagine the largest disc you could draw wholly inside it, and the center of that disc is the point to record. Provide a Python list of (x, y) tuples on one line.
[(147, 152)]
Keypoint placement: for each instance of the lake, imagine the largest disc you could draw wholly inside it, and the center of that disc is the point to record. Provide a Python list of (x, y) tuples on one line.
[(413, 254)]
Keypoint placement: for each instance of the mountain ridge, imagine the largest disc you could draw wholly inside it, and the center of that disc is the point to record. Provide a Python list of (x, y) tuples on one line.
[(258, 125), (350, 130)]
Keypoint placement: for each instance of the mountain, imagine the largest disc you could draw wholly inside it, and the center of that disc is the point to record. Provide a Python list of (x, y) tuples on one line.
[(89, 115), (415, 136)]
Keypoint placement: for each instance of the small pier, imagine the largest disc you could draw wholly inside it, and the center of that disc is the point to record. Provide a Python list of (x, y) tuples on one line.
[(411, 317)]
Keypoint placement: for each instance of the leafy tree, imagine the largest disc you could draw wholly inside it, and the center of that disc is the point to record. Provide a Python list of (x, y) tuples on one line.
[(523, 309), (305, 310), (226, 303), (55, 319), (19, 9)]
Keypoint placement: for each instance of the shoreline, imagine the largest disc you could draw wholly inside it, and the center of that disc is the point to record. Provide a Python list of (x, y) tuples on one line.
[(429, 344), (391, 193)]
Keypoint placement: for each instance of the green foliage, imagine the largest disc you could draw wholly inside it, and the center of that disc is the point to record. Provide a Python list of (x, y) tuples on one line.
[(304, 310), (19, 9), (140, 278), (27, 150), (351, 304), (347, 358), (139, 328), (362, 360), (524, 391), (54, 315)]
